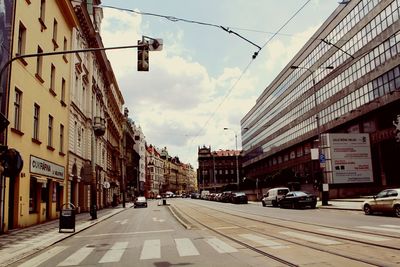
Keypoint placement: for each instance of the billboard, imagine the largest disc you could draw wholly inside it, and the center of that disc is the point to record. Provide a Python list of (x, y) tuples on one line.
[(348, 158)]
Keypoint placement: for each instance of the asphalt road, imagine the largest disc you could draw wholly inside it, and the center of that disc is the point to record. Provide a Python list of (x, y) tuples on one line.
[(153, 236)]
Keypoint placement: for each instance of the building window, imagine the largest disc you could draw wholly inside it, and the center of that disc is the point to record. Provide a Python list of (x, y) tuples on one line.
[(17, 109), (63, 91), (33, 195), (36, 114), (55, 28), (65, 46), (53, 80), (50, 132), (42, 14), (61, 138), (21, 39), (39, 64)]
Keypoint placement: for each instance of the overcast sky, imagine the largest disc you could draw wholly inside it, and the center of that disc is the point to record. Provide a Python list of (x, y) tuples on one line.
[(204, 79)]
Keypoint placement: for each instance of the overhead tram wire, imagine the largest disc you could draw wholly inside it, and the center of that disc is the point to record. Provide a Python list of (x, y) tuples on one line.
[(227, 29), (247, 67)]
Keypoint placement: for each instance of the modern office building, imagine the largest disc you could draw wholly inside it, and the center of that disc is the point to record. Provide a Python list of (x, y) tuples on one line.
[(346, 79)]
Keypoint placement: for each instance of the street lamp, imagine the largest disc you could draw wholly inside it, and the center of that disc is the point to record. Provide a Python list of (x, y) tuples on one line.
[(325, 193), (236, 156)]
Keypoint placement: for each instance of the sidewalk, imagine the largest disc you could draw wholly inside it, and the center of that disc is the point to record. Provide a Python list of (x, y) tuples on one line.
[(21, 243)]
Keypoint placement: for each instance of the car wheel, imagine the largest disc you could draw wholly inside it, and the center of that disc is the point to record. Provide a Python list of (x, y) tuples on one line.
[(274, 203), (263, 203), (367, 209), (293, 205), (397, 211)]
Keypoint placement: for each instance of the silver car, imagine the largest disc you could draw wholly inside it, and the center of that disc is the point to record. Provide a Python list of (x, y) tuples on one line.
[(387, 201)]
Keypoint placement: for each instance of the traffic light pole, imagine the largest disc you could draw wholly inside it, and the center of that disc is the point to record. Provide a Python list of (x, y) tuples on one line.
[(6, 94)]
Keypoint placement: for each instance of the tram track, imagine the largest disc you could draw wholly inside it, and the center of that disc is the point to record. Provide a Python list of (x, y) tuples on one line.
[(235, 212), (342, 253)]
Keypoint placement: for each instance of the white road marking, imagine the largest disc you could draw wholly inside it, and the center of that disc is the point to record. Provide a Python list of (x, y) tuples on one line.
[(158, 220), (263, 241), (351, 234), (77, 257), (220, 246), (226, 227), (391, 226), (115, 253), (124, 221), (36, 261), (185, 247), (310, 238), (380, 229), (151, 250), (128, 233)]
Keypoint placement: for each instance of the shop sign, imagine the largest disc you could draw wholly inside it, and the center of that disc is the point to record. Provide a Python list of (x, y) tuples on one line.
[(46, 168)]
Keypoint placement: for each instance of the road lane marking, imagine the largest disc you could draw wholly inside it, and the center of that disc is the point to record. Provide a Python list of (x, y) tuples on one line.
[(351, 234), (380, 229), (128, 233), (185, 247), (310, 238), (36, 261), (158, 220), (226, 227), (115, 253), (77, 257), (391, 226), (263, 241), (151, 250), (124, 221), (220, 246)]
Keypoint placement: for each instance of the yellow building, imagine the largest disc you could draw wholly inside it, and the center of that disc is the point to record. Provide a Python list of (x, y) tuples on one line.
[(38, 111)]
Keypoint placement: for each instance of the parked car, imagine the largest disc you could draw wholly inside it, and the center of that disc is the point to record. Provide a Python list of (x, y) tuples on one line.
[(239, 198), (226, 196), (387, 201), (274, 195), (298, 199), (195, 195), (140, 202)]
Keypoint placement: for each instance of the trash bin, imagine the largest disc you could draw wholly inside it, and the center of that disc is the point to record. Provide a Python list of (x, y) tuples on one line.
[(67, 217)]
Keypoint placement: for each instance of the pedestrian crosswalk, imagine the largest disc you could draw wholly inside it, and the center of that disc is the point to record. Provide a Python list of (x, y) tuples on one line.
[(153, 249)]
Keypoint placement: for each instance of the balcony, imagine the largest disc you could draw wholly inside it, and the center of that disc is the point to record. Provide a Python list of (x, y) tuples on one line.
[(99, 126)]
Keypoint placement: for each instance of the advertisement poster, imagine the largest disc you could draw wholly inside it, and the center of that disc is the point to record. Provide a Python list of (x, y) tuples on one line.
[(349, 158)]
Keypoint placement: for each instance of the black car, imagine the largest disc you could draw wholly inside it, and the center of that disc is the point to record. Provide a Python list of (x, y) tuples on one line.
[(226, 196), (239, 198), (298, 199)]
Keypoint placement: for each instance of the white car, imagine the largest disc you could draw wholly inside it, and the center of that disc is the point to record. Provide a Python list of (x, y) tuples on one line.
[(274, 195), (387, 201)]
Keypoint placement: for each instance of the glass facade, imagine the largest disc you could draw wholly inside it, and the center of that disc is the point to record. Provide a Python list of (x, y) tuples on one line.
[(363, 49), (281, 114)]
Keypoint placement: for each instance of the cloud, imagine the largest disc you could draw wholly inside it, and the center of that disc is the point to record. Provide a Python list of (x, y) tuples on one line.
[(179, 104)]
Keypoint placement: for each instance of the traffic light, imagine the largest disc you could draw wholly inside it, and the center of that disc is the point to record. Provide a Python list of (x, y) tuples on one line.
[(11, 161), (143, 56)]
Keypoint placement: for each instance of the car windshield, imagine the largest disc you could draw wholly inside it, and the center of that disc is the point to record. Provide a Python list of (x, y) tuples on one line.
[(141, 199), (299, 193), (240, 194)]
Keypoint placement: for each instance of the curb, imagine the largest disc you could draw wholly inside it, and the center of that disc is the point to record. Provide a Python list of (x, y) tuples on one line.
[(177, 217)]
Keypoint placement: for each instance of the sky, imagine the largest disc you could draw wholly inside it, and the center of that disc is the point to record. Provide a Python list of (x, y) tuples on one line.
[(204, 79)]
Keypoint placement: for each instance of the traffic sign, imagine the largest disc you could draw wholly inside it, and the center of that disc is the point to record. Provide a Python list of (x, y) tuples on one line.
[(322, 158)]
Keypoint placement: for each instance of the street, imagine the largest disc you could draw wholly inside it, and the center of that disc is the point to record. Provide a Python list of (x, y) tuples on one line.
[(222, 234)]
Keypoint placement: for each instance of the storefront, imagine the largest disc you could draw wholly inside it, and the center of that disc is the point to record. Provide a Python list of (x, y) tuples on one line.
[(46, 187)]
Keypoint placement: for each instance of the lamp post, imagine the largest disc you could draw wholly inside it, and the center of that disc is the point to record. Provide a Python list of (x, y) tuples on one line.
[(325, 188), (236, 156)]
